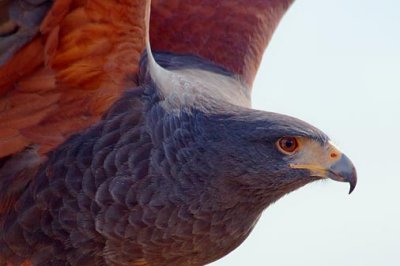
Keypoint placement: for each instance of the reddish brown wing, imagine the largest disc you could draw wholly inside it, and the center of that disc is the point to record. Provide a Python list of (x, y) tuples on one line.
[(231, 33), (62, 81)]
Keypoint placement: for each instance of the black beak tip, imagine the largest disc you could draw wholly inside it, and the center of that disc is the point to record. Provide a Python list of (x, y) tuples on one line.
[(353, 180), (352, 187)]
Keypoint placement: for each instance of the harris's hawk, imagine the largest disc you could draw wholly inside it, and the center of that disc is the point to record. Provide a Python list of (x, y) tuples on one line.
[(115, 153)]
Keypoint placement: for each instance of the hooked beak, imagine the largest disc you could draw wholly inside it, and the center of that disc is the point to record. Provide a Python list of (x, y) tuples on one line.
[(330, 163), (344, 171)]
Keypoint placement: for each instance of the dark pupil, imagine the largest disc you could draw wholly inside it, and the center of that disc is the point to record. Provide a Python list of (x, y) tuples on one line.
[(289, 143)]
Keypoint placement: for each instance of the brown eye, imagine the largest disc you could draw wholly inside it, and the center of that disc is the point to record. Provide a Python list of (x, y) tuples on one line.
[(288, 145)]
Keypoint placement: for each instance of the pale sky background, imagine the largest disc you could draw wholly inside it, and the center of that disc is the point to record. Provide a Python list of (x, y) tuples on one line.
[(335, 64)]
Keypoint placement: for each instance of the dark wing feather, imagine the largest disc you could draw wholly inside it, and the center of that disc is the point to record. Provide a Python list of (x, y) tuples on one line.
[(19, 23)]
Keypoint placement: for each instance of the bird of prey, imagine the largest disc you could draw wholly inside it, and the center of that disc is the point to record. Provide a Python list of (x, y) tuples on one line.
[(127, 135)]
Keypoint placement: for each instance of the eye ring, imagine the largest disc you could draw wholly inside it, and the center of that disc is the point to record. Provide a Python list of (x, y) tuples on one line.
[(288, 145)]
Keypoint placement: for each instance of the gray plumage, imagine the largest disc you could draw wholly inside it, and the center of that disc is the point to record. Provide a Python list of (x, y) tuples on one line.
[(175, 188)]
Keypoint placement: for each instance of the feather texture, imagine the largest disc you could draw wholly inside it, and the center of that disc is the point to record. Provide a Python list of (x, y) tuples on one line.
[(86, 53)]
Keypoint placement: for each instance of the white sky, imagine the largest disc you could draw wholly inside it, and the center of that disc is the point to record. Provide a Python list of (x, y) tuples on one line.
[(335, 64)]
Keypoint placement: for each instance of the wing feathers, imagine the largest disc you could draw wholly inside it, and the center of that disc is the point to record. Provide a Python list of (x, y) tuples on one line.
[(11, 141), (84, 57), (22, 64), (56, 14), (233, 34), (19, 23), (41, 82)]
